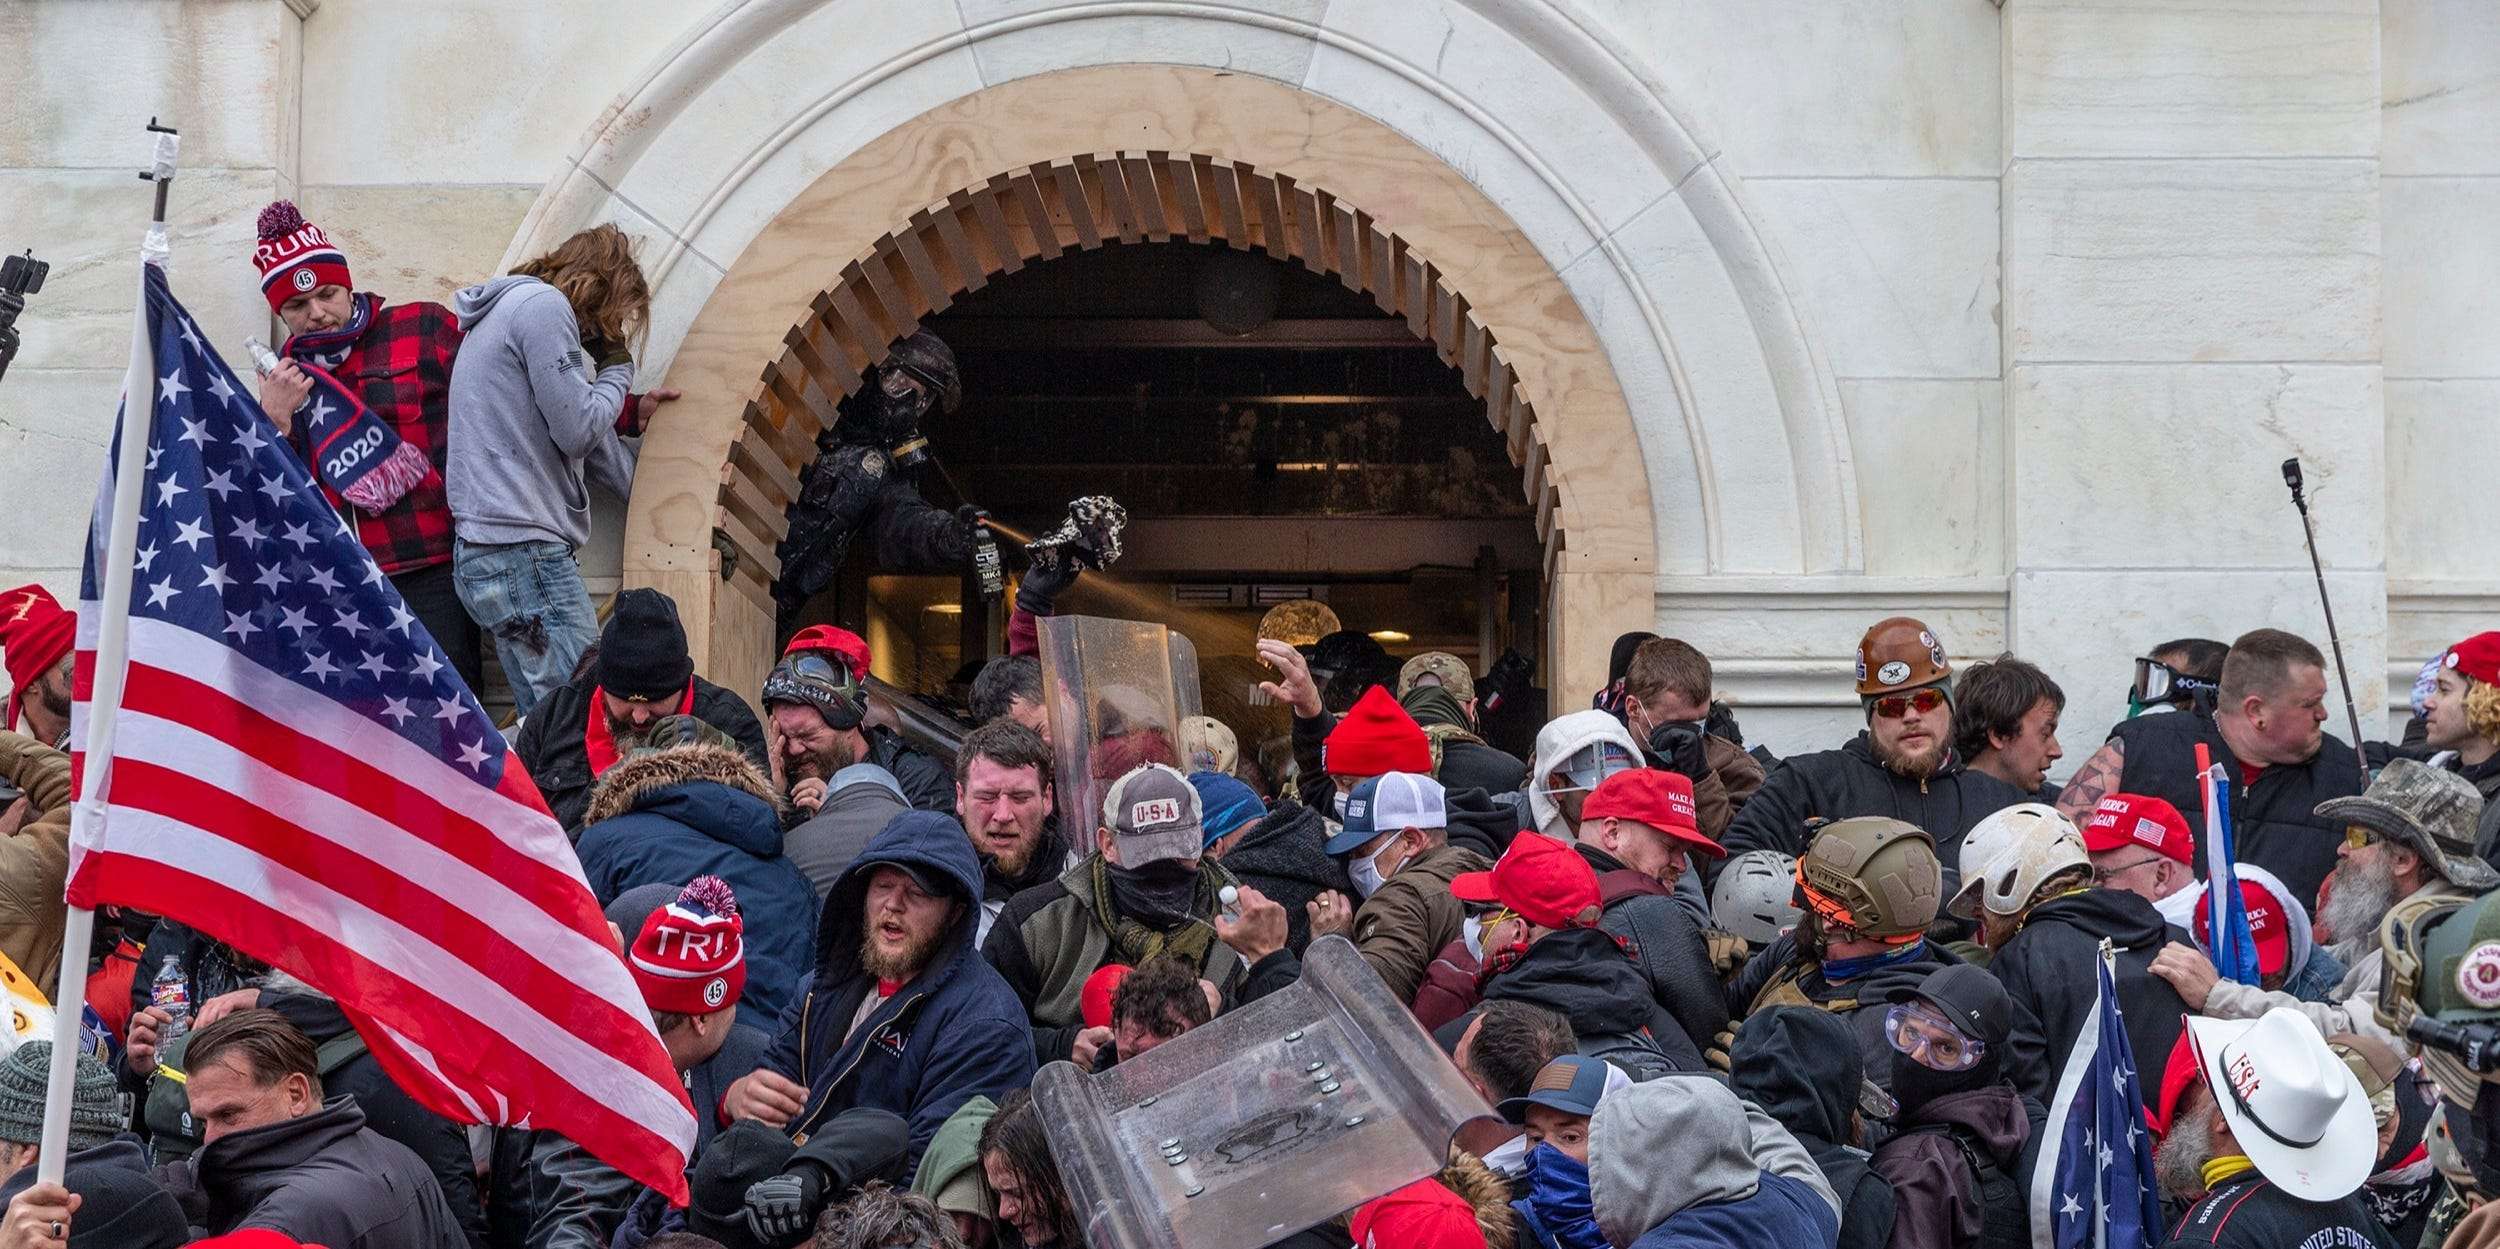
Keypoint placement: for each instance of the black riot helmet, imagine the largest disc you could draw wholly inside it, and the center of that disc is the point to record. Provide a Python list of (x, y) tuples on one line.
[(893, 406)]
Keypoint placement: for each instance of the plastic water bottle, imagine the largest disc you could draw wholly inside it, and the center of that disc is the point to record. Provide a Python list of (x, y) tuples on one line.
[(170, 992), (1230, 898)]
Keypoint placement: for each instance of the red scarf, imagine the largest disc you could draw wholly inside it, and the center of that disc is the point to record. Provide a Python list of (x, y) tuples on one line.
[(599, 743)]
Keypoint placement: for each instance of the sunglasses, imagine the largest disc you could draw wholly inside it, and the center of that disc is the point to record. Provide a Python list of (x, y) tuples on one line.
[(1930, 1040), (1895, 706), (2358, 838)]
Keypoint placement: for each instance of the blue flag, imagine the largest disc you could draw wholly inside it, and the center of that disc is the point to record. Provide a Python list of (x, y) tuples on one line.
[(2094, 1185), (2226, 936)]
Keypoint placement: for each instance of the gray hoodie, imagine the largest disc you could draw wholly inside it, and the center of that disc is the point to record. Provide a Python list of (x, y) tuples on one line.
[(528, 418), (1678, 1141)]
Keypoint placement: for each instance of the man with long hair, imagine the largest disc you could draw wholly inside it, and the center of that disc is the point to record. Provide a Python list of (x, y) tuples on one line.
[(541, 404), (1023, 1178)]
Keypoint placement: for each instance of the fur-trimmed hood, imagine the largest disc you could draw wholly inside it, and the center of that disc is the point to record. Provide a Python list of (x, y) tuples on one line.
[(624, 785), (710, 788), (1487, 1193)]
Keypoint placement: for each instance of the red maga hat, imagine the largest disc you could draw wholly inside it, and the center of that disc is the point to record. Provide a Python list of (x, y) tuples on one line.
[(1544, 880), (1653, 796)]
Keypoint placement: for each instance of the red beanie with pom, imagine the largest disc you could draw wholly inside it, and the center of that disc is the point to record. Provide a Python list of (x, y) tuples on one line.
[(295, 257)]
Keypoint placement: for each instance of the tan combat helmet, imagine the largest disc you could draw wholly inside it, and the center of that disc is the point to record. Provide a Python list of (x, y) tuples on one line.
[(1876, 876)]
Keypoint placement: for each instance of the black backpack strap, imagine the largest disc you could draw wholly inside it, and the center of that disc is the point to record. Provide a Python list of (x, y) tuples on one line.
[(338, 1051)]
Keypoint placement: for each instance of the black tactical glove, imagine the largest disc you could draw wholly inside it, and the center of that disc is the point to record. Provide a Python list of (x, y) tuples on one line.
[(1677, 747), (1039, 586), (784, 1207)]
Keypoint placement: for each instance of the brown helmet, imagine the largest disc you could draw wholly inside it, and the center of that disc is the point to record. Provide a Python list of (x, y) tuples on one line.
[(1899, 654), (1879, 876)]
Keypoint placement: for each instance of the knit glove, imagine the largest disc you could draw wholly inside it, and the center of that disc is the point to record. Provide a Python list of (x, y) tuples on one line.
[(783, 1207), (607, 353)]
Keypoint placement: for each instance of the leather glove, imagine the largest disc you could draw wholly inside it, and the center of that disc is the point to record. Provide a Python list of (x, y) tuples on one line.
[(1728, 952), (1039, 586), (1717, 1055), (782, 1208), (1677, 748)]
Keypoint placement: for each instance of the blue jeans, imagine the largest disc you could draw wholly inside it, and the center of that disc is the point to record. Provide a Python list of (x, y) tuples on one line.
[(529, 597)]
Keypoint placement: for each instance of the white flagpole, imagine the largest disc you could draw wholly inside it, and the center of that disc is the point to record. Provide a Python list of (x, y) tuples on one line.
[(120, 557)]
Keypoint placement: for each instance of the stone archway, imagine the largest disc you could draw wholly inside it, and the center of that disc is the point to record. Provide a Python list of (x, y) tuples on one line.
[(986, 184)]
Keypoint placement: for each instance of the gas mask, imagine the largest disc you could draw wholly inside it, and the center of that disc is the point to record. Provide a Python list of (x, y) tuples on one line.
[(893, 417)]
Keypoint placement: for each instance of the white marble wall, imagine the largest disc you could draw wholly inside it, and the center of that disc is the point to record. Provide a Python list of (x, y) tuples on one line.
[(2439, 180), (2192, 268)]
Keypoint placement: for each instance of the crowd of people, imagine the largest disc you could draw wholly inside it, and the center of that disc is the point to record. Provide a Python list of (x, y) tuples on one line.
[(1709, 996)]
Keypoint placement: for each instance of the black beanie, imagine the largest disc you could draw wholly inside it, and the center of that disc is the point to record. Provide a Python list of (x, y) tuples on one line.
[(642, 651), (121, 1208)]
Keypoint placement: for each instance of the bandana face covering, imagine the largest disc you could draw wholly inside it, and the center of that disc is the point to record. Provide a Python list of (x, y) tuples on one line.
[(1158, 894), (1558, 1190)]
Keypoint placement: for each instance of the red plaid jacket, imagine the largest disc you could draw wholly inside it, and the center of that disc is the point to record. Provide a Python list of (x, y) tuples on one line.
[(401, 368)]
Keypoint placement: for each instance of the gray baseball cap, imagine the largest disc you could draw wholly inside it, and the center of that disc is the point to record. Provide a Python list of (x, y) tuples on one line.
[(1153, 814)]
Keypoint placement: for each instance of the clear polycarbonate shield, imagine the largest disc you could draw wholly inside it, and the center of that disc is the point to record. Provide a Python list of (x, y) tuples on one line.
[(1281, 1114), (1185, 689), (1114, 704)]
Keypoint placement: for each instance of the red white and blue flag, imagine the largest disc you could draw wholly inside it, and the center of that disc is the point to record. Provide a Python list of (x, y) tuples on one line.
[(2093, 1186), (296, 770), (2226, 936)]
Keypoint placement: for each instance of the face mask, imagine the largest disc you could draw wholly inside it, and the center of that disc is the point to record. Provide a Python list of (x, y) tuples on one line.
[(1368, 878), (1558, 1190), (895, 421), (1472, 932), (1161, 893)]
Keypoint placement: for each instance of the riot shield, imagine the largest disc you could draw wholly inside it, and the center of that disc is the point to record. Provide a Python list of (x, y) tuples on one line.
[(1286, 1112), (1114, 704)]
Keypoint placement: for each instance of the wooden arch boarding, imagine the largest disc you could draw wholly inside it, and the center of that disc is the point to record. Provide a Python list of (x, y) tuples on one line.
[(983, 184), (1038, 214)]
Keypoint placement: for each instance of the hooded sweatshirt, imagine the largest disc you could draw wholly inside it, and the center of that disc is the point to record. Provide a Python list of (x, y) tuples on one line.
[(530, 413), (1801, 1066), (1584, 975), (953, 1032), (1559, 740), (2047, 970), (1679, 1163), (950, 1169)]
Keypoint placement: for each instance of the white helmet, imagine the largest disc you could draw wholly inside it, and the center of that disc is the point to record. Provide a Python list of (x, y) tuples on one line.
[(1756, 897), (2007, 856)]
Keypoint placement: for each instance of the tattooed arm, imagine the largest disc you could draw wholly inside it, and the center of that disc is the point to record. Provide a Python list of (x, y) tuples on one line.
[(2097, 779)]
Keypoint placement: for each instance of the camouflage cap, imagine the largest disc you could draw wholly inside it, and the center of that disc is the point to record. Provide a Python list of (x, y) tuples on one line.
[(2428, 810), (1447, 669), (672, 732)]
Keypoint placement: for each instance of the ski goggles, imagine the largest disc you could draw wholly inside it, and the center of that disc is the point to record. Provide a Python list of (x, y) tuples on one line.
[(1895, 706), (1929, 1039), (2158, 682)]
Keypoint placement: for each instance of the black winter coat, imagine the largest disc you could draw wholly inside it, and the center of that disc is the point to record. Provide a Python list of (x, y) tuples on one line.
[(1582, 974), (551, 746), (2274, 823), (2047, 969), (1667, 945), (323, 1179), (1839, 784), (1786, 974), (1801, 1066), (1285, 857), (1937, 1199), (926, 783), (440, 1143), (1474, 765)]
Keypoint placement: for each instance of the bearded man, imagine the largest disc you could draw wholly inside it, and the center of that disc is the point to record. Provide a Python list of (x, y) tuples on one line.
[(1003, 794), (1902, 767), (903, 1014), (817, 700), (2410, 835)]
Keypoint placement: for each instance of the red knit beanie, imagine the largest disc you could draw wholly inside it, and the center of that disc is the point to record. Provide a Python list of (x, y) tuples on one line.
[(294, 256), (691, 956), (1376, 736), (34, 634)]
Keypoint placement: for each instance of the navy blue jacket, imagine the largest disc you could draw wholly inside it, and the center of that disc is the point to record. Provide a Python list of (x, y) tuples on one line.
[(670, 816), (955, 1032)]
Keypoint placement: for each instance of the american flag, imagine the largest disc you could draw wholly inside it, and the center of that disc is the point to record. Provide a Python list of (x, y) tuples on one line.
[(296, 770), (2094, 1181)]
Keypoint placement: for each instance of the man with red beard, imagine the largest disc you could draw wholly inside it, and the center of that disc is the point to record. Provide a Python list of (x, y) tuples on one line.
[(1002, 792), (1902, 767), (903, 1014), (817, 700)]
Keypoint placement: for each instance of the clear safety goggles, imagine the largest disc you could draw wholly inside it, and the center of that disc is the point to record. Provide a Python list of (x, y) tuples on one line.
[(1930, 1039), (2158, 682), (1587, 767)]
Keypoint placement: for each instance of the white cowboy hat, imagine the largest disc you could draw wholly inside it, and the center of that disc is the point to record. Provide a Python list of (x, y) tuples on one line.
[(2292, 1105)]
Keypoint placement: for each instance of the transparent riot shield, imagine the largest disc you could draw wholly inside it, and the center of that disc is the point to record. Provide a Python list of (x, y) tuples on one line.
[(1114, 704), (1288, 1111), (1186, 698)]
